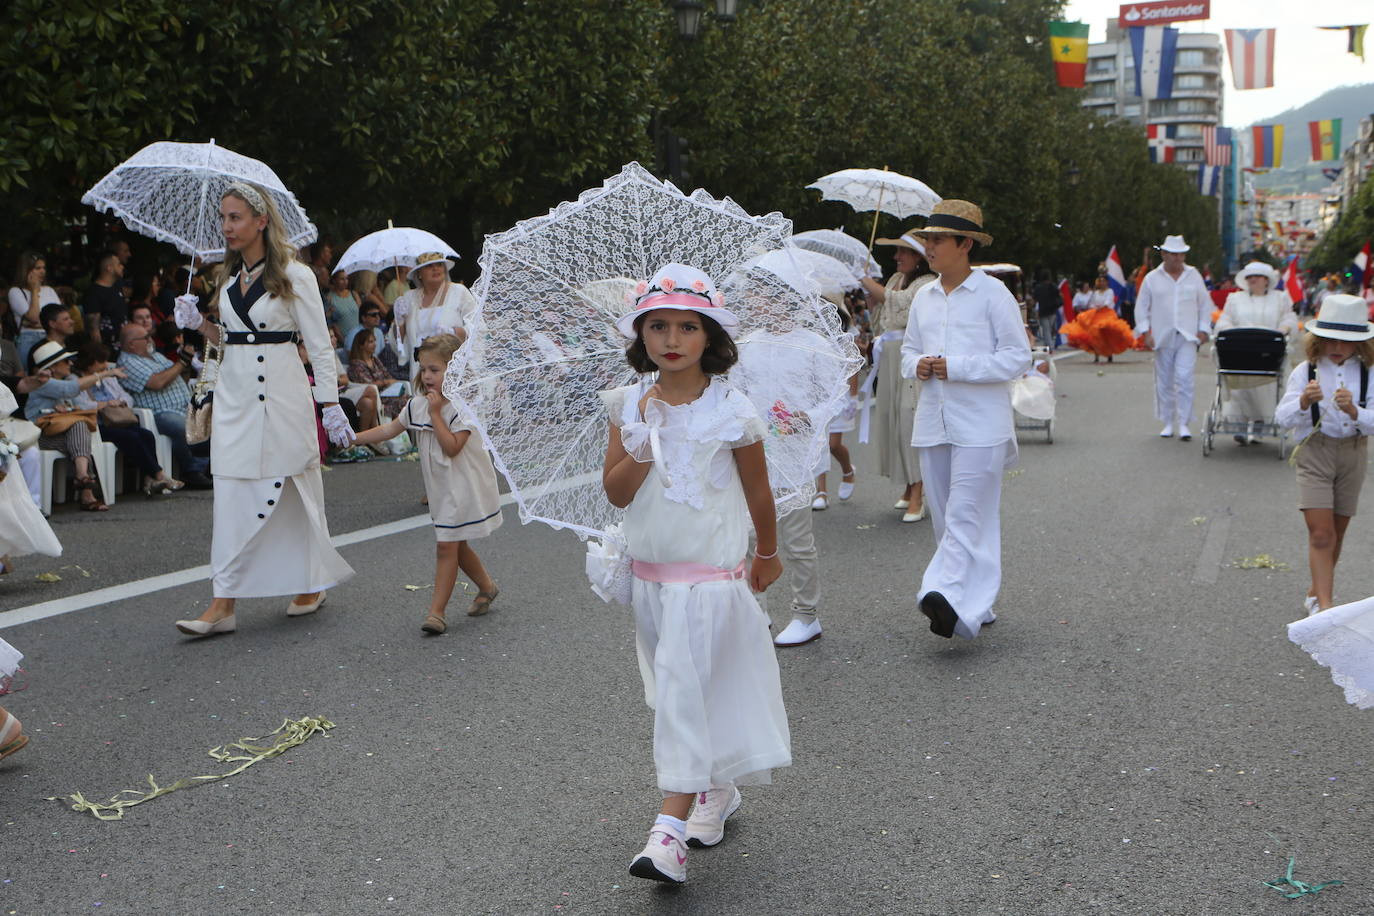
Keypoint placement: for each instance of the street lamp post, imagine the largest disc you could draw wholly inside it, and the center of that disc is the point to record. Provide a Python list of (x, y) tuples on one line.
[(688, 14)]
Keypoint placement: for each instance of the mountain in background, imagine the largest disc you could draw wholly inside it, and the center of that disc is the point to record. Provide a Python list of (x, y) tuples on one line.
[(1300, 175)]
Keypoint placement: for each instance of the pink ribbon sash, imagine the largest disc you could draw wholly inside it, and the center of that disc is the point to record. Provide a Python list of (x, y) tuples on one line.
[(691, 573)]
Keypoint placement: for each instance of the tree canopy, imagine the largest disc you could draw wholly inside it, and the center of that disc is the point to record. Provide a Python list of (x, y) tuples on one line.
[(465, 117)]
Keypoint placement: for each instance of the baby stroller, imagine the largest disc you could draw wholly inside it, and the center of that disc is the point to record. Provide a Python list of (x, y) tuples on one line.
[(1247, 358)]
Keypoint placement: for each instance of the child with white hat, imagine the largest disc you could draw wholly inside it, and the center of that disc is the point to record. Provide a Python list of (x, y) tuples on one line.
[(1320, 406)]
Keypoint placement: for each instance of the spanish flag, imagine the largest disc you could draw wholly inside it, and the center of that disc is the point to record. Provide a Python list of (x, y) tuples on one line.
[(1326, 139), (1069, 46)]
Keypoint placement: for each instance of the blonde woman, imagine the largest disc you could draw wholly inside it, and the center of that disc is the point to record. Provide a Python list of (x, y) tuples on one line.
[(270, 533), (436, 305)]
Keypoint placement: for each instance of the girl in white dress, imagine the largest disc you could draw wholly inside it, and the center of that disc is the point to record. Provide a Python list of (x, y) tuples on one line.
[(844, 422), (459, 481), (23, 530), (685, 459)]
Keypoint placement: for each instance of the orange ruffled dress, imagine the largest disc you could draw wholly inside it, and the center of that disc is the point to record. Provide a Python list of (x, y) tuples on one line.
[(1099, 331)]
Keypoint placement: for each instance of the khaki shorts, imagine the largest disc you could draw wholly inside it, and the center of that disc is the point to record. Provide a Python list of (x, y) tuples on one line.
[(1331, 472)]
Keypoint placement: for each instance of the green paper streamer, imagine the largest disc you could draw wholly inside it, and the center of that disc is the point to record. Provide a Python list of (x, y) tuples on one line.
[(1299, 888), (251, 750)]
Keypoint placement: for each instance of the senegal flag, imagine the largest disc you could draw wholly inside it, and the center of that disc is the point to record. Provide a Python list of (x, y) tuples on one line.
[(1069, 46), (1326, 139)]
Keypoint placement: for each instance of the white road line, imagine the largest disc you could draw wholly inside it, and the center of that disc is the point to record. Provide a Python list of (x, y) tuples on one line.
[(124, 590)]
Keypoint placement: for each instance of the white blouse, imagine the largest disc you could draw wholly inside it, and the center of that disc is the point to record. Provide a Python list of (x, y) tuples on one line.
[(1335, 422)]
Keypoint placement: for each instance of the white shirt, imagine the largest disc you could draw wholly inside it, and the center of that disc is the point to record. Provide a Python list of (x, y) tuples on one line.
[(977, 329), (1102, 298), (18, 300), (1336, 423), (1166, 304), (1273, 310)]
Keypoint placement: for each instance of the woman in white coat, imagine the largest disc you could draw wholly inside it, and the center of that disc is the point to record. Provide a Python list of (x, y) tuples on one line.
[(897, 396), (435, 305), (270, 534), (1261, 304)]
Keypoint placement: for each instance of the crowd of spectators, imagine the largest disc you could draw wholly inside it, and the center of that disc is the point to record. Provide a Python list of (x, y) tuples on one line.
[(96, 343)]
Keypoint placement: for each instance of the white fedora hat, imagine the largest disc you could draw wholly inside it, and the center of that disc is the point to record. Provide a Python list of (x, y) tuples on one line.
[(1343, 317), (1174, 244), (678, 286), (1258, 269)]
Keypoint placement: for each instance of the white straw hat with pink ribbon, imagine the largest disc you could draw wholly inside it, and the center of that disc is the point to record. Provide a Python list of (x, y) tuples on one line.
[(677, 286)]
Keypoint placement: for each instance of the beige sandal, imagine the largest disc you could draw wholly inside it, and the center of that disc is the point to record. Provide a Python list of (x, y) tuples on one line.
[(12, 737), (434, 624), (482, 603)]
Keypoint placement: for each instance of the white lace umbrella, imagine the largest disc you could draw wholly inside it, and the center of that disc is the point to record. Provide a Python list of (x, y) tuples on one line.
[(879, 190), (171, 192), (544, 342), (394, 246), (843, 247)]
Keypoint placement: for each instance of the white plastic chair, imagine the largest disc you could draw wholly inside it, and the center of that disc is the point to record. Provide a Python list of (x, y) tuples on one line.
[(148, 420)]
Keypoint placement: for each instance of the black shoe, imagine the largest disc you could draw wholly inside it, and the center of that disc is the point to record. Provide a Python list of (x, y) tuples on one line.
[(942, 617), (197, 481)]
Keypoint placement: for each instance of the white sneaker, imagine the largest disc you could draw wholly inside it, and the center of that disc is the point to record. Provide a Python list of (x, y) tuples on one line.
[(663, 858), (820, 503), (1309, 604), (798, 633), (706, 827), (1167, 432), (1184, 433), (847, 487), (916, 516)]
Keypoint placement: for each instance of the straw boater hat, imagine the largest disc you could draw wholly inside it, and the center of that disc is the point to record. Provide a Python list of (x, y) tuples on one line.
[(677, 286), (1343, 317), (907, 240), (1174, 244), (956, 217), (48, 353), (1259, 269), (428, 258)]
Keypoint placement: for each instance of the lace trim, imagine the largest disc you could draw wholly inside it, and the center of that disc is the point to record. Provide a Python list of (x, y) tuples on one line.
[(1331, 650)]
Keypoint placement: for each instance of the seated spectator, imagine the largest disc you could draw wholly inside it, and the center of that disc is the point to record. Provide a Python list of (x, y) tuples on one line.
[(173, 284), (364, 397), (394, 284), (57, 396), (321, 256), (366, 369), (156, 383), (371, 320), (170, 342), (341, 304), (364, 283), (27, 298), (106, 397), (58, 327), (146, 290), (106, 308)]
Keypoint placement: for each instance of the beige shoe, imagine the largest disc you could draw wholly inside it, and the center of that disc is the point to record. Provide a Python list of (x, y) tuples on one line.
[(916, 516), (901, 504), (207, 628), (434, 624), (297, 610)]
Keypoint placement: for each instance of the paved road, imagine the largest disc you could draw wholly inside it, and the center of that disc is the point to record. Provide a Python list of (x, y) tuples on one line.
[(1136, 736)]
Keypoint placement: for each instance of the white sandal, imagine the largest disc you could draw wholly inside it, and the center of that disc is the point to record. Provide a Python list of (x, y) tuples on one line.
[(820, 503)]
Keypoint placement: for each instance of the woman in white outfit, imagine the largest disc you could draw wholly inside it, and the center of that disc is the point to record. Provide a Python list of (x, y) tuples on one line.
[(897, 396), (270, 534), (436, 305), (1261, 304)]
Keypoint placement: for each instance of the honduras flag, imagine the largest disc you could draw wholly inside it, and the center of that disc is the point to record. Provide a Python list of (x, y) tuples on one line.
[(1154, 47), (1116, 277), (1209, 180)]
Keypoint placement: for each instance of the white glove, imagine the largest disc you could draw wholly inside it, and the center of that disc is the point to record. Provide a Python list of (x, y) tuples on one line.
[(187, 315), (336, 426)]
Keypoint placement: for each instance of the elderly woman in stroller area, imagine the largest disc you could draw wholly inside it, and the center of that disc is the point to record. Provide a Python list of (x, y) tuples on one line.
[(1261, 303)]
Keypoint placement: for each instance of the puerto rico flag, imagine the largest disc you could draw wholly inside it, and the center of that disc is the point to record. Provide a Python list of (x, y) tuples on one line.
[(1116, 277), (1161, 138), (1154, 48), (1252, 57)]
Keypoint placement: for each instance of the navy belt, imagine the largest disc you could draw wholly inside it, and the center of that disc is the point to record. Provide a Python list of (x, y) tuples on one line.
[(261, 337)]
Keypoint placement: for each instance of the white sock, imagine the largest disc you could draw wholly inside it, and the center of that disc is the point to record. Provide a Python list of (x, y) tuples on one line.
[(675, 825)]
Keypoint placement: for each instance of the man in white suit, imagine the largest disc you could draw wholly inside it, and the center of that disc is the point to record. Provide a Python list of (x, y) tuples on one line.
[(1173, 313)]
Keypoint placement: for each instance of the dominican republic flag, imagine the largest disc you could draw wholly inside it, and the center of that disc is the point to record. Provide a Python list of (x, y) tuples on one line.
[(1160, 138), (1360, 267), (1116, 277), (1154, 47), (1252, 57), (1209, 180), (1216, 144), (1291, 283)]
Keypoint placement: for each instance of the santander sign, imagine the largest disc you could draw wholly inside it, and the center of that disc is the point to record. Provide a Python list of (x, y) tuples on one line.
[(1158, 12)]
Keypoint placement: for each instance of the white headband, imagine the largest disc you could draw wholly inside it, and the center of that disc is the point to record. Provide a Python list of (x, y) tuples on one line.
[(249, 194)]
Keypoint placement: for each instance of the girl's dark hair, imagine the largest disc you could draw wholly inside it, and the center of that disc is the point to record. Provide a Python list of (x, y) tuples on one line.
[(166, 333), (720, 353)]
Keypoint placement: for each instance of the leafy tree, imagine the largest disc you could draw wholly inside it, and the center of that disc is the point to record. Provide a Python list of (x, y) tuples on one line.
[(1340, 244)]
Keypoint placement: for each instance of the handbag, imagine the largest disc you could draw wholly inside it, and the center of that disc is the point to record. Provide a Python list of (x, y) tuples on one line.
[(55, 424), (118, 416), (198, 412)]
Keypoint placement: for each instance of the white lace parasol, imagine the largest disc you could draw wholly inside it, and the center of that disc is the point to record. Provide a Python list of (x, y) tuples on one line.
[(843, 247), (171, 192), (832, 277), (544, 341), (394, 246)]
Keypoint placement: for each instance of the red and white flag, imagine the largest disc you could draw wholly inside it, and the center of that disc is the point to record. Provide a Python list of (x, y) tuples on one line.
[(1160, 139), (1216, 145), (1291, 283), (1252, 57)]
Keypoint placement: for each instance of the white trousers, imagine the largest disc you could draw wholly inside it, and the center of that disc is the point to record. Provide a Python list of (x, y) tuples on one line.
[(1175, 357), (963, 487), (797, 541)]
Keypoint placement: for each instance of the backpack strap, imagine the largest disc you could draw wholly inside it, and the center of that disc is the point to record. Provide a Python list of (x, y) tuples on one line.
[(1316, 411), (1364, 383)]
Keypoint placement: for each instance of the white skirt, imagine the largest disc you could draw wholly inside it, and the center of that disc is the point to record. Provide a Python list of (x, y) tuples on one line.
[(271, 538), (711, 676), (1342, 639), (23, 529)]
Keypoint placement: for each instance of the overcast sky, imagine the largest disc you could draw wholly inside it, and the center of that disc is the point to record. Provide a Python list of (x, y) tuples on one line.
[(1307, 62)]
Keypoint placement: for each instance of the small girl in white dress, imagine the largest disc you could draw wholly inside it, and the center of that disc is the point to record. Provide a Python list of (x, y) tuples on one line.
[(685, 459), (459, 481)]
